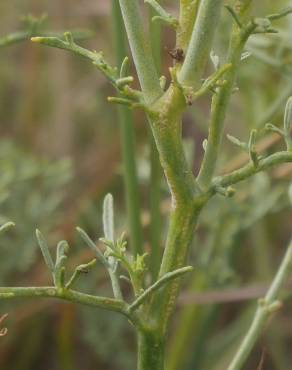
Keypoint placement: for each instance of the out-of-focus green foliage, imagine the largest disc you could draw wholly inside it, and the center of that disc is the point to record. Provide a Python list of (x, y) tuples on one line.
[(32, 192)]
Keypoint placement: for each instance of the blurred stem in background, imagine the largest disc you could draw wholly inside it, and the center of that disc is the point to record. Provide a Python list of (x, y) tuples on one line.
[(263, 266), (155, 176), (128, 142)]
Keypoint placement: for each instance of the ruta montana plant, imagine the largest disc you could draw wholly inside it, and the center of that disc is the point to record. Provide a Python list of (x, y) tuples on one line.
[(164, 104)]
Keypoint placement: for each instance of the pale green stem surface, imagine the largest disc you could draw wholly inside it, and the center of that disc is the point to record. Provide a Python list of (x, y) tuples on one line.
[(219, 107), (141, 50), (249, 170), (69, 295), (156, 171), (187, 17), (158, 284), (201, 42), (265, 309), (150, 351)]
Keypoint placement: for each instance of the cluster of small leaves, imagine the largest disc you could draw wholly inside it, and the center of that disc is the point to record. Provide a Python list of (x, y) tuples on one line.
[(114, 254), (116, 250), (135, 266), (162, 15), (57, 268)]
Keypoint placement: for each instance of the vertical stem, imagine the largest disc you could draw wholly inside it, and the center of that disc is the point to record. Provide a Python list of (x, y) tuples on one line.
[(150, 351), (263, 313), (186, 203), (141, 50), (201, 42), (155, 176), (187, 17), (183, 221), (187, 323), (155, 212), (128, 145), (219, 107)]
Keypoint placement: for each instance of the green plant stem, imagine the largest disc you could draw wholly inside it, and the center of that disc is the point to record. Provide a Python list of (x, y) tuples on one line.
[(201, 42), (249, 170), (141, 50), (187, 322), (158, 284), (150, 351), (115, 283), (186, 202), (219, 107), (128, 144), (187, 17), (155, 212), (69, 45), (156, 172), (68, 295), (183, 221), (266, 307)]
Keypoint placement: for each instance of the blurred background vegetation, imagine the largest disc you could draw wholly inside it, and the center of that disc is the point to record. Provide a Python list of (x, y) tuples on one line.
[(60, 153)]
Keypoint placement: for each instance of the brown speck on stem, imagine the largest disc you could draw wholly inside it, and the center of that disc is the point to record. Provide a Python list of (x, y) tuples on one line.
[(176, 54)]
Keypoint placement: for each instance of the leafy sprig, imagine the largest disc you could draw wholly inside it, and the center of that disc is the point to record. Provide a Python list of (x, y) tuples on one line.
[(117, 77), (162, 15)]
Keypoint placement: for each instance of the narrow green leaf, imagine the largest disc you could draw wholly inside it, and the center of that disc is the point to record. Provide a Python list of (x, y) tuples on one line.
[(45, 250), (108, 217), (92, 246)]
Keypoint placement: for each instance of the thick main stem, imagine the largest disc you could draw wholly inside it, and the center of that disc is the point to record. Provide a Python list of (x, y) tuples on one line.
[(150, 351), (186, 201)]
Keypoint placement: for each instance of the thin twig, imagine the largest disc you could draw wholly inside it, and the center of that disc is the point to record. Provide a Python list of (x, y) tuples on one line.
[(266, 308)]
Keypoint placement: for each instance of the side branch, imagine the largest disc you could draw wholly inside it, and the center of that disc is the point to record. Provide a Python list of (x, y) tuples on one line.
[(249, 170), (121, 82), (158, 284), (65, 294), (220, 104)]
